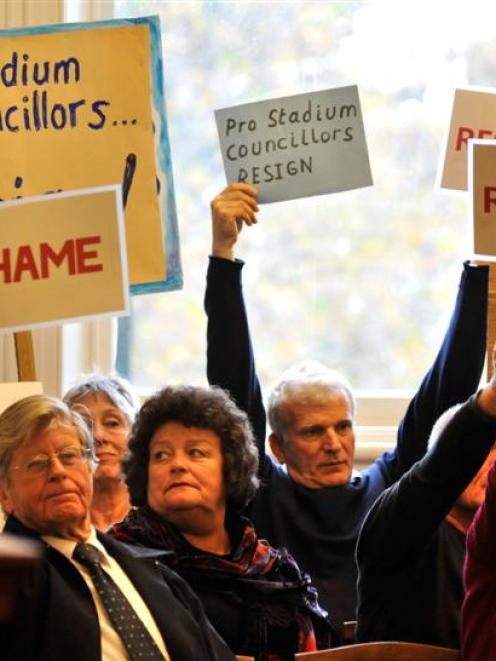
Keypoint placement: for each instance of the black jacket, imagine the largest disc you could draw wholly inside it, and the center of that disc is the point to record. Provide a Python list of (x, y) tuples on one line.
[(56, 620)]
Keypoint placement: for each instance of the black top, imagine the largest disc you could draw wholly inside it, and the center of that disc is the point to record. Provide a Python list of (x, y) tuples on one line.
[(56, 619)]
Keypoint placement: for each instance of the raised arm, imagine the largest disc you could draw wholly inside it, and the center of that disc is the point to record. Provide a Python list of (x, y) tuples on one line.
[(404, 519), (455, 373), (409, 511), (230, 359), (405, 515), (399, 533)]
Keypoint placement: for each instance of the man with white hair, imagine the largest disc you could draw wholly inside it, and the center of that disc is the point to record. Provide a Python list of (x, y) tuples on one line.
[(312, 501)]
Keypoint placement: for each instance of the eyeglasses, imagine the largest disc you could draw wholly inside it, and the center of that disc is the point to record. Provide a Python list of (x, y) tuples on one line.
[(70, 457)]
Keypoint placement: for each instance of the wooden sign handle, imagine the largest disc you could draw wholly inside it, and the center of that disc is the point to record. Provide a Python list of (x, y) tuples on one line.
[(26, 370)]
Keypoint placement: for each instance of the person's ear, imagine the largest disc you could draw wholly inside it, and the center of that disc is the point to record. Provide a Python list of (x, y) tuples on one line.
[(5, 499), (277, 446)]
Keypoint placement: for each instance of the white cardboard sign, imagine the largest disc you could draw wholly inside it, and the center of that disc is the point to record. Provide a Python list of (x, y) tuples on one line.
[(296, 146)]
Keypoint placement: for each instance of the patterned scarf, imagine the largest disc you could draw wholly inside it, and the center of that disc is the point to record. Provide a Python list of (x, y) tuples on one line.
[(275, 593)]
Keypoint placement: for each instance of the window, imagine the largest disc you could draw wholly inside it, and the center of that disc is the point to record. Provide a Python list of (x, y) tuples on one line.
[(363, 280)]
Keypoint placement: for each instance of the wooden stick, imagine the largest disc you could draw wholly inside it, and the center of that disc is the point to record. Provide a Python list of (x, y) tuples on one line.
[(26, 370)]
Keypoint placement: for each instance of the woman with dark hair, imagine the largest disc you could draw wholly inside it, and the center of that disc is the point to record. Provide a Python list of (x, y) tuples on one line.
[(191, 469)]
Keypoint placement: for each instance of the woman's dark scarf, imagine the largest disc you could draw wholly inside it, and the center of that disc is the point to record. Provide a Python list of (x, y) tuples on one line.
[(266, 578)]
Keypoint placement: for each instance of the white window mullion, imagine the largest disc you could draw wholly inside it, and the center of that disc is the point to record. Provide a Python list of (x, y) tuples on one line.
[(8, 363), (88, 346), (89, 10), (16, 13), (47, 343)]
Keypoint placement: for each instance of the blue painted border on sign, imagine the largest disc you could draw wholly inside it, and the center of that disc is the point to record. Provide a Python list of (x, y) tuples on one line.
[(174, 279)]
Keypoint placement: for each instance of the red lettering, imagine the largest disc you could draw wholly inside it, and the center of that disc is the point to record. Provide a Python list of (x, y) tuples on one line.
[(489, 198), (47, 254), (75, 254), (5, 266), (84, 255), (465, 133), (462, 136), (25, 262)]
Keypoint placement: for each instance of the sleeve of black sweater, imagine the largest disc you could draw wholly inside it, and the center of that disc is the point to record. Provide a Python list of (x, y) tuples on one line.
[(405, 515), (455, 373), (230, 359)]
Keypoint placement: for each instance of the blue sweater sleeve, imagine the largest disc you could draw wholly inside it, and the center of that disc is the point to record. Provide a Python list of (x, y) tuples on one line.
[(454, 375), (230, 359)]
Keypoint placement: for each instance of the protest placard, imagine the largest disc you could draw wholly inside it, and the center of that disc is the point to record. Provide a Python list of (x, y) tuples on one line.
[(296, 146), (62, 258), (482, 194), (82, 105), (472, 117)]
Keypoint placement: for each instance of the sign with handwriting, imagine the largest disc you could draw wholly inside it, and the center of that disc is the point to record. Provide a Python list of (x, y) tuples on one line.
[(296, 146), (82, 105)]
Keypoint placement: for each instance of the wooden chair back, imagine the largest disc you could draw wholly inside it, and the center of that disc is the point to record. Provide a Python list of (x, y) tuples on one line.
[(383, 651)]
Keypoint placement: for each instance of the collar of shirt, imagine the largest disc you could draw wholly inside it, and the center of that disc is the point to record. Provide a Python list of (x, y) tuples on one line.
[(67, 546)]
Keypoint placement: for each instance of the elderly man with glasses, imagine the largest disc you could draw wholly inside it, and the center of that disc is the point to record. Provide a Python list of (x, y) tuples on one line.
[(90, 597)]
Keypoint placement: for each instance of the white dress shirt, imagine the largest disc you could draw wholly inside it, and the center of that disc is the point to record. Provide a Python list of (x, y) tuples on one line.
[(112, 646)]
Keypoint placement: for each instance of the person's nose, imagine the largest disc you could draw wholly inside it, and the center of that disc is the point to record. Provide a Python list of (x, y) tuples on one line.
[(99, 435), (56, 469), (331, 440), (178, 463)]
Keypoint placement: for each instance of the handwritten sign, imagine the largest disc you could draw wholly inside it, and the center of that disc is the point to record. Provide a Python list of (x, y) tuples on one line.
[(82, 105), (296, 146), (62, 257), (482, 194), (472, 117)]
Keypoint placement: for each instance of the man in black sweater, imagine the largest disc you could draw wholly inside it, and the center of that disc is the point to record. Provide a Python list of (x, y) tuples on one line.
[(311, 499)]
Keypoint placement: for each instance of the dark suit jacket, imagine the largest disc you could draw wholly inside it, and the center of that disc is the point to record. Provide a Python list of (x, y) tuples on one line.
[(56, 620)]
